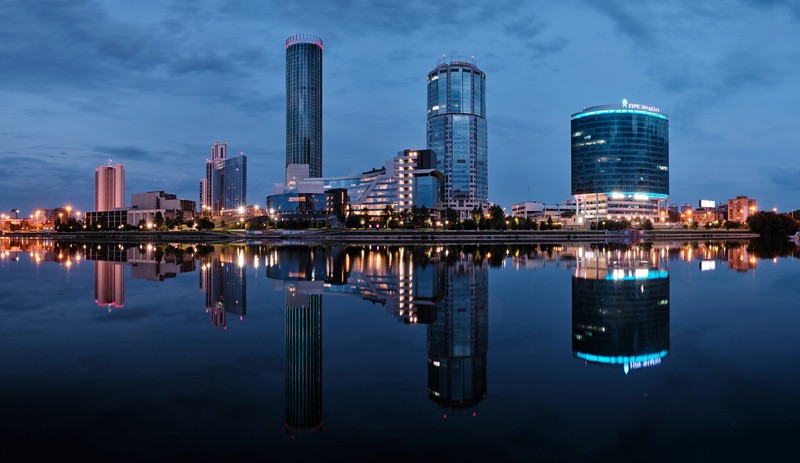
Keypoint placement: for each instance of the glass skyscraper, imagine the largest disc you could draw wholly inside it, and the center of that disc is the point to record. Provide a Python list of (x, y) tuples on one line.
[(620, 161), (304, 102), (457, 132), (224, 189)]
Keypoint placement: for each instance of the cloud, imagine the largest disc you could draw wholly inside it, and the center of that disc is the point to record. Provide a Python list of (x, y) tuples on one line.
[(529, 31), (628, 22), (126, 152), (786, 178)]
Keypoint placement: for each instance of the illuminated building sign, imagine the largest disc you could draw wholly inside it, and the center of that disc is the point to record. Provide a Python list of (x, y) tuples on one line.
[(636, 195), (621, 359), (643, 107), (619, 274)]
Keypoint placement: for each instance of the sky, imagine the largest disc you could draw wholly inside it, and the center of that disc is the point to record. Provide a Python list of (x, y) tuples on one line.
[(153, 84)]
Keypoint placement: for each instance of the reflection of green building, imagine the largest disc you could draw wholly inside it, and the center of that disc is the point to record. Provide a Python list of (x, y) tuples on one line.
[(458, 338), (621, 318), (303, 360)]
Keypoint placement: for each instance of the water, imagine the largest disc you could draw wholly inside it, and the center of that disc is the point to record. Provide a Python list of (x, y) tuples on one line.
[(574, 352)]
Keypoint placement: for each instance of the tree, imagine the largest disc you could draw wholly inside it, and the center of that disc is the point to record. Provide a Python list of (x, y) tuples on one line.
[(388, 216), (179, 219), (769, 224), (204, 223), (419, 216), (497, 217), (647, 225), (451, 216), (158, 219), (476, 214)]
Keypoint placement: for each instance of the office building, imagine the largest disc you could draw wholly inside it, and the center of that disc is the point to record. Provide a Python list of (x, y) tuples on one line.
[(224, 189), (304, 102), (457, 132), (405, 181), (620, 162), (741, 208), (109, 187)]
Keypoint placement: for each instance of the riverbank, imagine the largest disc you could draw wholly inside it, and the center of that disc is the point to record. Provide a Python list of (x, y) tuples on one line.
[(185, 236), (510, 236), (389, 236)]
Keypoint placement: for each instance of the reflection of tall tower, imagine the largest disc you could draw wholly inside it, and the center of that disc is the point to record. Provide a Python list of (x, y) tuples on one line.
[(620, 308), (458, 338), (303, 360), (224, 283), (109, 284)]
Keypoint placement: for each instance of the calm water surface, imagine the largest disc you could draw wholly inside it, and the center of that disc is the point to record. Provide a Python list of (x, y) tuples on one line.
[(573, 352)]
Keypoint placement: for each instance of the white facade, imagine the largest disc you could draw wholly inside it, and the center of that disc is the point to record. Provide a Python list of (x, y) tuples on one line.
[(537, 210)]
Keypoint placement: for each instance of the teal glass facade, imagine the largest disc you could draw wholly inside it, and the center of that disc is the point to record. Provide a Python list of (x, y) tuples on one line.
[(622, 150), (304, 102), (457, 132)]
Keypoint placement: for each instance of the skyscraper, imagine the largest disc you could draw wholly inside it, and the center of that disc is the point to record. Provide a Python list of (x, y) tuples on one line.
[(304, 102), (620, 162), (109, 187), (457, 132), (224, 189)]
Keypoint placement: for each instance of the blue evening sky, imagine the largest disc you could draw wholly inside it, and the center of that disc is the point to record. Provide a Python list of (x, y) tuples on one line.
[(153, 84)]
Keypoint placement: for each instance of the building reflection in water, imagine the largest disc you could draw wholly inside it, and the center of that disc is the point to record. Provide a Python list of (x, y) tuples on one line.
[(223, 279), (446, 290), (109, 284), (620, 306), (109, 274), (304, 273), (458, 336)]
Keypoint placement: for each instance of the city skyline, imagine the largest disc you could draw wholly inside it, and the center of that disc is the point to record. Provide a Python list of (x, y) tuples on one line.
[(96, 80)]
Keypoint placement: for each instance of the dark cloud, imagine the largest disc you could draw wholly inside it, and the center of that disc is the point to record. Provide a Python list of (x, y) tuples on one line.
[(126, 153), (790, 6), (787, 178), (630, 19), (529, 31)]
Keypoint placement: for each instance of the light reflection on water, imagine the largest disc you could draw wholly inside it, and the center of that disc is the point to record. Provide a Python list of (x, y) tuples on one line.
[(484, 342)]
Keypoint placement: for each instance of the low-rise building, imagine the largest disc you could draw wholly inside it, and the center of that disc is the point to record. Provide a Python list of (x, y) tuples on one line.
[(145, 207), (537, 210), (741, 208)]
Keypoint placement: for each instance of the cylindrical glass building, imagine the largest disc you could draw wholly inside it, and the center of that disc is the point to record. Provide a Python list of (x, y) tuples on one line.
[(620, 162), (457, 132), (304, 102)]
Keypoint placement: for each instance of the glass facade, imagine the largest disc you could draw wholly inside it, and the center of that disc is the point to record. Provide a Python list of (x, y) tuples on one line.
[(298, 206), (304, 102), (457, 132), (228, 184), (620, 151), (428, 189)]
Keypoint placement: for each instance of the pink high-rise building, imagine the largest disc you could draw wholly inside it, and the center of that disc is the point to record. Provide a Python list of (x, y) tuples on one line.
[(109, 187)]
